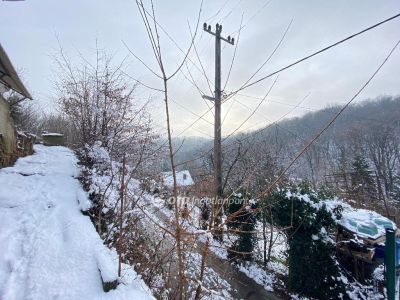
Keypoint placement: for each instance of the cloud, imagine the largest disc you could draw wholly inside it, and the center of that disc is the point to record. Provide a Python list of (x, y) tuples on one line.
[(28, 32)]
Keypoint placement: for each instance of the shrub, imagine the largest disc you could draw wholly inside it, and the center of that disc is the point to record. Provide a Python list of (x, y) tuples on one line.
[(313, 268), (244, 222)]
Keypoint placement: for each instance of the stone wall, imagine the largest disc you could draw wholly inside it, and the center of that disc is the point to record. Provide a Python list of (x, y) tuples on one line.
[(8, 137), (13, 143), (25, 141)]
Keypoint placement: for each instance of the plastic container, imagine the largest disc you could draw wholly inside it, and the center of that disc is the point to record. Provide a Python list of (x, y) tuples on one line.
[(397, 252)]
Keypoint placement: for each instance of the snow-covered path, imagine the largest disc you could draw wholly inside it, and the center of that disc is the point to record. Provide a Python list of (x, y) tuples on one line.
[(48, 249)]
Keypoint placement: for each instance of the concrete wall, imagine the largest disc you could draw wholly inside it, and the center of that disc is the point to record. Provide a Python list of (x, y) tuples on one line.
[(8, 139)]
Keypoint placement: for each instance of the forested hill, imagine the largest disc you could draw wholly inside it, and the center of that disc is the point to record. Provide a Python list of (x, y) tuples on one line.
[(368, 131), (382, 110)]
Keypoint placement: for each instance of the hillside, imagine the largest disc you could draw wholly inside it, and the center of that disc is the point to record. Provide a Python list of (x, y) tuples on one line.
[(370, 129)]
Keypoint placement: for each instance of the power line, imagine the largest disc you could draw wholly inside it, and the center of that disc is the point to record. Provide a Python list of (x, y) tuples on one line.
[(207, 152), (234, 54), (193, 81), (318, 52), (279, 102), (227, 112), (276, 181), (270, 56), (316, 137), (194, 122), (254, 111), (202, 67), (193, 113), (141, 83), (280, 118), (230, 12), (217, 13), (300, 60), (276, 123), (259, 10), (262, 65)]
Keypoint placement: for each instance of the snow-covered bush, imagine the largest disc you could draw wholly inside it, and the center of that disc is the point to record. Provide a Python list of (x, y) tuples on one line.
[(313, 268), (99, 176)]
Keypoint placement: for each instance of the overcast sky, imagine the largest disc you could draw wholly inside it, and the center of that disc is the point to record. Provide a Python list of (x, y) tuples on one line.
[(29, 32)]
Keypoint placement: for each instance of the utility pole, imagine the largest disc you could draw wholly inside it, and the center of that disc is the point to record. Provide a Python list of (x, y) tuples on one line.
[(217, 114)]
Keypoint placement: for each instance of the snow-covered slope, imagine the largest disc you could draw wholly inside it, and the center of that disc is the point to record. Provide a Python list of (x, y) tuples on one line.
[(48, 249)]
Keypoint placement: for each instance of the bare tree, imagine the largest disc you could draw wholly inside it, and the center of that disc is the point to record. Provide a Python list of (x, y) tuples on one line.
[(152, 28)]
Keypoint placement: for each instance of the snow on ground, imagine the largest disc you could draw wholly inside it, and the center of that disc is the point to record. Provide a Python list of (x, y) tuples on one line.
[(48, 249), (258, 274), (214, 286), (253, 269)]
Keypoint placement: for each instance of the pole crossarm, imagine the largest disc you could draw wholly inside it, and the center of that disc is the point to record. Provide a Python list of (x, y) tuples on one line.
[(218, 30), (208, 98)]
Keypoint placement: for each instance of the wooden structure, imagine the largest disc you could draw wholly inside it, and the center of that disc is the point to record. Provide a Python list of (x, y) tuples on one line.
[(53, 139)]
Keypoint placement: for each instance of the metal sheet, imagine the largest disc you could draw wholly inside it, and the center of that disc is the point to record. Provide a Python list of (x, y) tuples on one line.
[(9, 77)]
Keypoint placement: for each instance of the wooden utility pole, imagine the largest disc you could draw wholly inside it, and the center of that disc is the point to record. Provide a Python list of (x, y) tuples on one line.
[(217, 101), (217, 104)]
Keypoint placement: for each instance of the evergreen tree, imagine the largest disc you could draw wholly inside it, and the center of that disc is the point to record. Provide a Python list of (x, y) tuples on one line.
[(244, 222), (313, 269), (362, 181)]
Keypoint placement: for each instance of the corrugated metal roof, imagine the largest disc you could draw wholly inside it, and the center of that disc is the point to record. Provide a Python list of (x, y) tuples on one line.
[(9, 77)]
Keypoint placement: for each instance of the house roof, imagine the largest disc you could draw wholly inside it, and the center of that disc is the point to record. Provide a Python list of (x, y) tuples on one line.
[(9, 77), (183, 178)]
